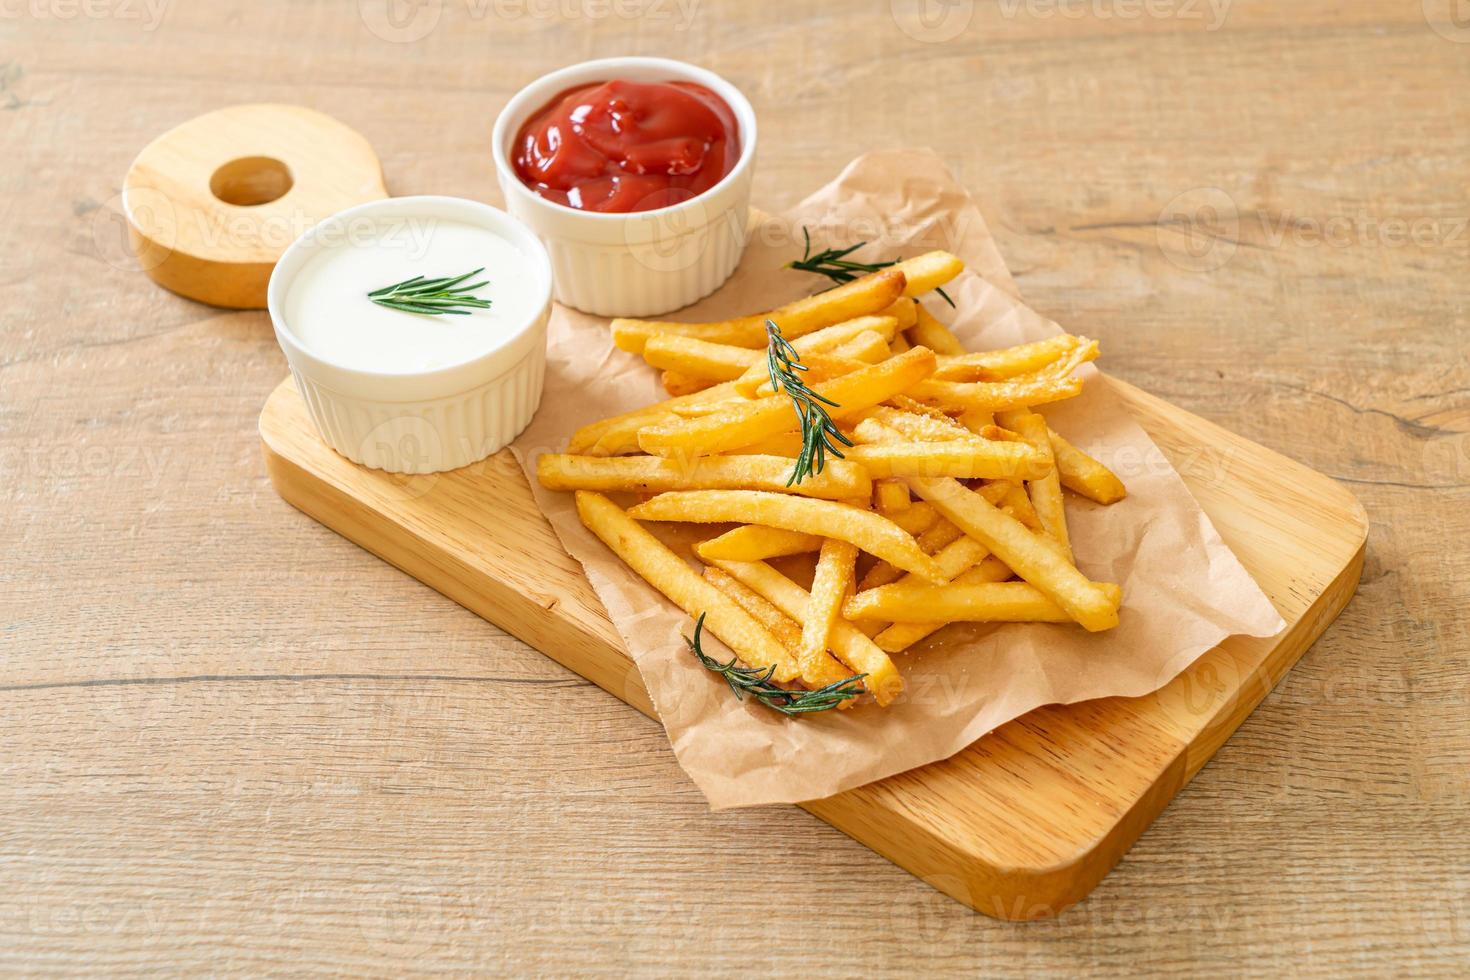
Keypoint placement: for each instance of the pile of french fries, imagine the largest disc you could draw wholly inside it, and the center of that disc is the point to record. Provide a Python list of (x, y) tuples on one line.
[(948, 505)]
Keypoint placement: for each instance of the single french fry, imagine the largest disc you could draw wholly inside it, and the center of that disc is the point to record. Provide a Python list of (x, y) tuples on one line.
[(976, 420), (885, 325), (1051, 384), (847, 642), (861, 297), (787, 444), (928, 332), (754, 542), (897, 637), (700, 358), (677, 383), (839, 479), (820, 670), (1084, 475), (1006, 537), (741, 425), (1015, 500), (672, 576), (1008, 362), (963, 460), (830, 586), (1044, 488), (890, 496), (921, 426), (917, 518), (617, 430), (991, 396), (868, 531), (928, 271), (989, 602), (905, 311)]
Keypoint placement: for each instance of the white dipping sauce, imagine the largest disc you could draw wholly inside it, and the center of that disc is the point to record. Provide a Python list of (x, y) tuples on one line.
[(328, 309)]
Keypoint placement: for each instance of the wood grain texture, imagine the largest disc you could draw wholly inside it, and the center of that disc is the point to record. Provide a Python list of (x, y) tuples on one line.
[(233, 743), (1020, 825), (212, 203)]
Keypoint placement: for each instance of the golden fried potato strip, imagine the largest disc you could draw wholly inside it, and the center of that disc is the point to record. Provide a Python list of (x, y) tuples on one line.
[(671, 575), (861, 297)]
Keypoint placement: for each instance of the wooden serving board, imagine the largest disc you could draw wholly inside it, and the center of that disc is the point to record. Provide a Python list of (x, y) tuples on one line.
[(1019, 825)]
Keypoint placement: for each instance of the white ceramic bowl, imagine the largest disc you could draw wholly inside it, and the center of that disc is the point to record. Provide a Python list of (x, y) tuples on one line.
[(647, 262), (420, 421)]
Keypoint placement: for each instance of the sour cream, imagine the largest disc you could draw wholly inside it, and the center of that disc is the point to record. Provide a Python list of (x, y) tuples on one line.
[(411, 392), (328, 308)]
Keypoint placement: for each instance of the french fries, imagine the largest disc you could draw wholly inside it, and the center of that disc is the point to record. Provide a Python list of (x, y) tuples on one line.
[(756, 543), (1082, 474), (991, 602), (903, 414), (861, 297), (727, 362), (669, 574), (849, 644), (1045, 487), (885, 325), (928, 271), (1053, 383), (929, 332), (871, 532), (967, 460), (818, 670), (830, 585), (701, 358), (839, 479), (741, 425), (997, 365), (891, 496), (1038, 563)]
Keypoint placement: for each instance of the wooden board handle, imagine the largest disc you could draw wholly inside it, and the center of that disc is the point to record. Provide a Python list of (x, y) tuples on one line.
[(212, 203)]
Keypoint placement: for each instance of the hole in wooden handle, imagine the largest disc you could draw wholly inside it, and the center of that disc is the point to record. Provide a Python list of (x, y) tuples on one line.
[(251, 180)]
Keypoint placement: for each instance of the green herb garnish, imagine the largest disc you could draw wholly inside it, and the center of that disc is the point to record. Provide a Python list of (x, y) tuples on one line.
[(817, 427), (433, 297), (758, 684), (835, 264)]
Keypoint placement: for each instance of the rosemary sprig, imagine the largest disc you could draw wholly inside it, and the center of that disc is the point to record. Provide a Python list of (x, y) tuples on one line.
[(758, 684), (433, 297), (817, 427), (835, 264)]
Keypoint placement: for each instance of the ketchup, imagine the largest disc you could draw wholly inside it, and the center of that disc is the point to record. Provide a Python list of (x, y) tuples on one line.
[(622, 146)]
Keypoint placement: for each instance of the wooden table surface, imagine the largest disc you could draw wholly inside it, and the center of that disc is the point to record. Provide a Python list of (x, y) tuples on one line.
[(234, 742)]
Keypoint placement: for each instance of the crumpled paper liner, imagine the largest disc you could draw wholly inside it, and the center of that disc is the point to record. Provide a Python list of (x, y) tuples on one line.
[(1184, 591)]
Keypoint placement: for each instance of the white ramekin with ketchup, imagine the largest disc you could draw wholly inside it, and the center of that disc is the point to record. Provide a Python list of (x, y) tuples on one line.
[(639, 189)]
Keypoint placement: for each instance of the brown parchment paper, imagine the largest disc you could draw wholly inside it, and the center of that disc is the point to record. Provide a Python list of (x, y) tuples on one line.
[(1183, 590)]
